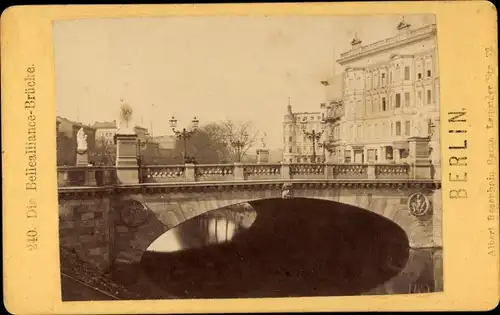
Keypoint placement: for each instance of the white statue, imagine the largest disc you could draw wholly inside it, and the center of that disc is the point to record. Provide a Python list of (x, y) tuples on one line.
[(81, 139), (125, 119)]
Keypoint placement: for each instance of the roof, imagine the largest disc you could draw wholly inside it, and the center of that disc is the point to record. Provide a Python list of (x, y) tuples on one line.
[(395, 40), (104, 124), (60, 119)]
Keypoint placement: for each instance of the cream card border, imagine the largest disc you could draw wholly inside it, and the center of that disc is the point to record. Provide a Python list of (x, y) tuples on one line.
[(467, 47)]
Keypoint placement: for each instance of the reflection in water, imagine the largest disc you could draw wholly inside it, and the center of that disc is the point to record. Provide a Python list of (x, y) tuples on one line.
[(278, 247), (215, 227)]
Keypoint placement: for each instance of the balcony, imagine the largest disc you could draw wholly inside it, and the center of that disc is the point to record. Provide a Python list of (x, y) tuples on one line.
[(334, 112)]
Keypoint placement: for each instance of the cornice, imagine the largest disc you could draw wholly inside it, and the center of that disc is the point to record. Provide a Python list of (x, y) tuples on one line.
[(233, 186)]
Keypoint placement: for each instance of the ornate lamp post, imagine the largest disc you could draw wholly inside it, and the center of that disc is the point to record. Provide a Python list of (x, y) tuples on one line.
[(324, 146), (238, 144), (431, 127), (141, 146), (184, 134), (313, 135)]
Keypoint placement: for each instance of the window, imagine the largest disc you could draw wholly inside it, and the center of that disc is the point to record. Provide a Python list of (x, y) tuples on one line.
[(429, 97), (419, 97), (384, 105), (347, 156), (407, 99), (398, 100), (398, 128), (419, 76), (290, 139), (388, 153), (407, 73), (298, 150), (290, 160), (290, 150), (407, 128), (392, 129), (428, 73), (372, 153)]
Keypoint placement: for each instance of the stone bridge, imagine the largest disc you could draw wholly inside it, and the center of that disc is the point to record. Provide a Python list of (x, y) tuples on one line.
[(106, 217)]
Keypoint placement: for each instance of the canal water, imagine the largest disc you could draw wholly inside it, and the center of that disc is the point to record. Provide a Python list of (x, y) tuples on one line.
[(289, 248)]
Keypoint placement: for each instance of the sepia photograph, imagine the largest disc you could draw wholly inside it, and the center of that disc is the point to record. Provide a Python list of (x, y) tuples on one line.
[(213, 157)]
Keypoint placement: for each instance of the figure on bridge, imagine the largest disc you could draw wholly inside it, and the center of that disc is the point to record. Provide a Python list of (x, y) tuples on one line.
[(81, 139), (125, 118)]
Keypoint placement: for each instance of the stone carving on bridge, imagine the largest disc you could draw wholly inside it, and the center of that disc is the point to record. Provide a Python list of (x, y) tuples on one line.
[(133, 213), (419, 205), (286, 191)]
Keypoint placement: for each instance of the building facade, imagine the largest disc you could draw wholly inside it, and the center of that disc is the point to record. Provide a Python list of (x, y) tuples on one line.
[(105, 141), (66, 131), (298, 147), (388, 93)]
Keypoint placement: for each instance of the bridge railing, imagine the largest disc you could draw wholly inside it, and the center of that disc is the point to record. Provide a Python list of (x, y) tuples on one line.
[(86, 176), (102, 176), (390, 171), (241, 172)]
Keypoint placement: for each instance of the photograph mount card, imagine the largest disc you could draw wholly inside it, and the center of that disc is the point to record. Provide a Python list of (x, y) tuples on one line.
[(227, 154)]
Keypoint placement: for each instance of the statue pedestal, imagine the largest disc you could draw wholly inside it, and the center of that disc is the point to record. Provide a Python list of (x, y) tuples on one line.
[(82, 158), (262, 155), (419, 158), (127, 169)]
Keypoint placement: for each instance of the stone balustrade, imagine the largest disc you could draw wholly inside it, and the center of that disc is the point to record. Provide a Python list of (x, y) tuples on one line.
[(262, 171), (163, 173), (392, 171), (86, 176), (352, 171), (308, 171), (99, 176), (214, 172)]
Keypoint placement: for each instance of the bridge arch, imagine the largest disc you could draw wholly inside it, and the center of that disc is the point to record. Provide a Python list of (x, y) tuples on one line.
[(142, 217)]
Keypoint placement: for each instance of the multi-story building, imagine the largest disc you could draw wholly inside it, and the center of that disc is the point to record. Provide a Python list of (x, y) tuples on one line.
[(388, 93), (106, 131), (298, 148), (105, 140)]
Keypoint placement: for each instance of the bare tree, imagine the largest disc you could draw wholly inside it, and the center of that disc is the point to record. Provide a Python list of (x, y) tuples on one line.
[(218, 143), (206, 146), (105, 152), (239, 137)]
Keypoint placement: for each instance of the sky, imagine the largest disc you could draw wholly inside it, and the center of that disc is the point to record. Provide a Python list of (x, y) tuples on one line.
[(214, 68)]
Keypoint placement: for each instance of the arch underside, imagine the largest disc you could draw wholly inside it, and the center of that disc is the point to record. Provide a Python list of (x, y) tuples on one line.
[(170, 210)]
